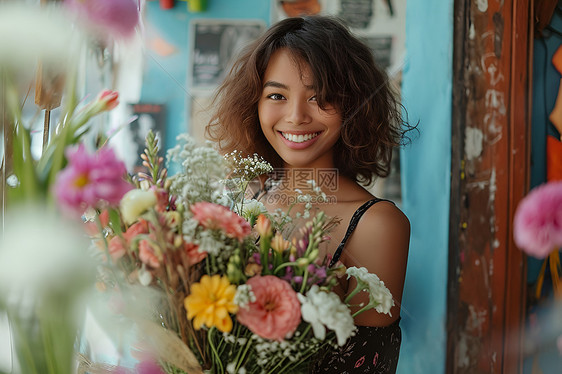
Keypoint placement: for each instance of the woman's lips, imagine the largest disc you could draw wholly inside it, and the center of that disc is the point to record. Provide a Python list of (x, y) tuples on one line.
[(299, 140)]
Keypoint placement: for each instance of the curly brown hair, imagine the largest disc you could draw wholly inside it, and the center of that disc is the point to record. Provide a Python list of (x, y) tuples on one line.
[(345, 76)]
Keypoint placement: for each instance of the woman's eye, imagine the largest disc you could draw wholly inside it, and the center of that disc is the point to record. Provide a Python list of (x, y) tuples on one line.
[(313, 98), (275, 96)]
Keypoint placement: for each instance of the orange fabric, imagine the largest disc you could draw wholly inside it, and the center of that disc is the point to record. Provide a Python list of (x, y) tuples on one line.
[(553, 159), (557, 59), (556, 115)]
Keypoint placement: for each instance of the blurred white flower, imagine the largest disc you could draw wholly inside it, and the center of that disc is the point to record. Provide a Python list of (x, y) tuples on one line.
[(41, 255), (29, 33)]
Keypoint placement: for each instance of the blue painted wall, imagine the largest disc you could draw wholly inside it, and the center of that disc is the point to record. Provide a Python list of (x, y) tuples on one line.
[(426, 165), (165, 78)]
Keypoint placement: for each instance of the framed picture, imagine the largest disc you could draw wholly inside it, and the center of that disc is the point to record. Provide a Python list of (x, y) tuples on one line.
[(214, 44), (149, 116)]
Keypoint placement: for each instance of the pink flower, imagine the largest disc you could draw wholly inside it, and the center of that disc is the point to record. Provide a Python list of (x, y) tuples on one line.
[(538, 220), (148, 367), (276, 313), (138, 228), (89, 179), (214, 216), (116, 248), (148, 254), (108, 18), (193, 254)]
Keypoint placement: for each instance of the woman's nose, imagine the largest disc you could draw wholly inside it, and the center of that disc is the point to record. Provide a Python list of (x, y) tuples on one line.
[(298, 113)]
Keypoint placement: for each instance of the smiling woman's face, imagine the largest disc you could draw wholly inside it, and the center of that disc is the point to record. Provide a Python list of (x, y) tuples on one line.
[(301, 133)]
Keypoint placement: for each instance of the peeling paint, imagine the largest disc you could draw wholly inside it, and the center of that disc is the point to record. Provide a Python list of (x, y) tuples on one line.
[(471, 32), (476, 320), (482, 5), (473, 142), (493, 187), (463, 359)]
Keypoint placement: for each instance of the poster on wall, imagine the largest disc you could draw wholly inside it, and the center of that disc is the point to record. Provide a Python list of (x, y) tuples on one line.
[(214, 43), (149, 116), (379, 23)]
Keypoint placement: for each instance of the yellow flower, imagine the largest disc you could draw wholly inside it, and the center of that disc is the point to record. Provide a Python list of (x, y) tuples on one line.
[(210, 302)]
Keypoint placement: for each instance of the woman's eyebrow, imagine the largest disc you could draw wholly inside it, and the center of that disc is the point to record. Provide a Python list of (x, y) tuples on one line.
[(275, 84)]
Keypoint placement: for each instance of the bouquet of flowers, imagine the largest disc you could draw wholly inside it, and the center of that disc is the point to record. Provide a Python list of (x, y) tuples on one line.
[(240, 290)]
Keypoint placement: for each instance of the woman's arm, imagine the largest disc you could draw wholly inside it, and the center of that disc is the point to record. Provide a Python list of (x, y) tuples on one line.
[(379, 243)]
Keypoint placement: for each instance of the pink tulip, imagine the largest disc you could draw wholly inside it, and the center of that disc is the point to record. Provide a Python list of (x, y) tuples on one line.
[(108, 99)]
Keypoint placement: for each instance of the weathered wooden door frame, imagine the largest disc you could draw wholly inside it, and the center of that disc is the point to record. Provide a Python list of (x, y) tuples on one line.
[(492, 62)]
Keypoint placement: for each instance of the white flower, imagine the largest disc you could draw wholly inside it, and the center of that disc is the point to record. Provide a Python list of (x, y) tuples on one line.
[(244, 296), (207, 243), (379, 295), (145, 277), (252, 208), (325, 310), (136, 202)]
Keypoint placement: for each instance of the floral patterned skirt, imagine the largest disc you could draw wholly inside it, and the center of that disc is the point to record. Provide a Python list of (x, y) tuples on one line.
[(371, 350)]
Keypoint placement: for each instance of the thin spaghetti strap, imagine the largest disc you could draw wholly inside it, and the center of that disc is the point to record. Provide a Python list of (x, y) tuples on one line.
[(352, 225)]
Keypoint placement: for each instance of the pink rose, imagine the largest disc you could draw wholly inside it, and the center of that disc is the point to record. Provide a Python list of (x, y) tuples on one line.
[(276, 313)]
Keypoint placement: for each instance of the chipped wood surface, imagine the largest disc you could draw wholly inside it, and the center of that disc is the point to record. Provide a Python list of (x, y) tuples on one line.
[(490, 167)]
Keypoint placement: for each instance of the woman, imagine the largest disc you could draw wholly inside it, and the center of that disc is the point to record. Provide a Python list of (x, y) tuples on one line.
[(309, 98)]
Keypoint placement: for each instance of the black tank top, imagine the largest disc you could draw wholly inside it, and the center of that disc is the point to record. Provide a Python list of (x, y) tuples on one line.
[(371, 349)]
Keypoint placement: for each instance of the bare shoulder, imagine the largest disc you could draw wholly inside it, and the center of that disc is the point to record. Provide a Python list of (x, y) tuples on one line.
[(380, 243), (385, 218), (382, 226)]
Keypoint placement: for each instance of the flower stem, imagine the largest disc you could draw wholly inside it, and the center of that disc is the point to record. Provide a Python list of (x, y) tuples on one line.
[(357, 289), (365, 308), (216, 359)]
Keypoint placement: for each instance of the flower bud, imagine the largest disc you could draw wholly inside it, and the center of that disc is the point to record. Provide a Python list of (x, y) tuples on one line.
[(303, 262), (252, 269), (313, 255), (136, 202), (108, 99), (279, 244), (263, 226)]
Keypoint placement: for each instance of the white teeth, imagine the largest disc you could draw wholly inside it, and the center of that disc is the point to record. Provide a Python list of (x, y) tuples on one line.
[(299, 138)]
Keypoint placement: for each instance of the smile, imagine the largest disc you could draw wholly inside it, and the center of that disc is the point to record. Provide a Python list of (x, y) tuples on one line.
[(301, 138)]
